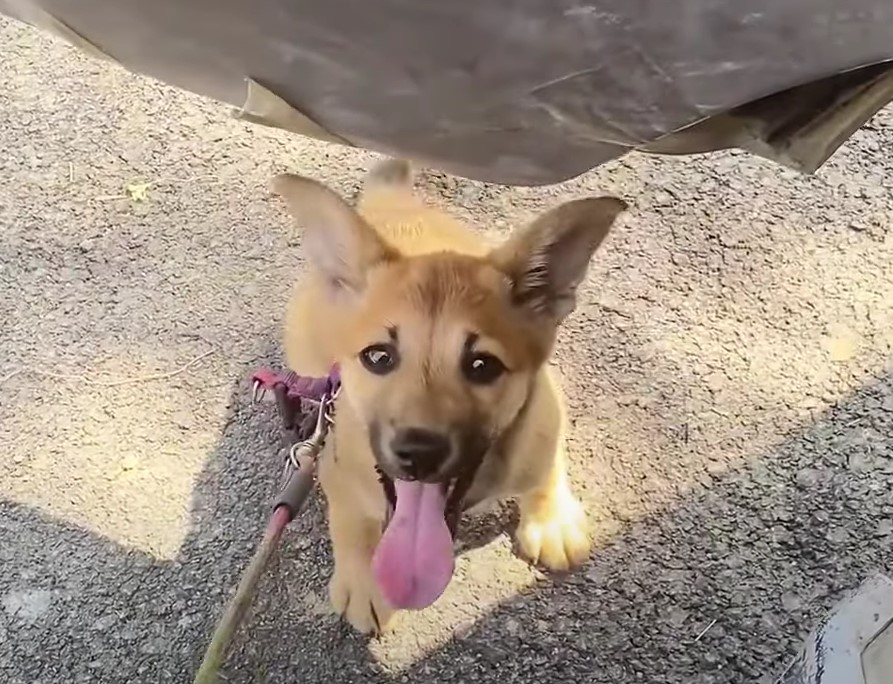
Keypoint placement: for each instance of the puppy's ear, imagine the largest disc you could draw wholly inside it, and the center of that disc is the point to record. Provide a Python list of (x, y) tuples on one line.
[(338, 241), (548, 260)]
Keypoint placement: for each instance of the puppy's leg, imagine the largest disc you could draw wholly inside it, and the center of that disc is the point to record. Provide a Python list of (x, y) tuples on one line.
[(553, 530), (353, 591)]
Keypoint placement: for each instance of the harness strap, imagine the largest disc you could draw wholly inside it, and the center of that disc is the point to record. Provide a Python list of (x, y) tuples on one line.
[(297, 396)]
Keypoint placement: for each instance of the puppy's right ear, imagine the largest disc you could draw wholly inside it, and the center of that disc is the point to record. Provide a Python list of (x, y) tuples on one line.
[(338, 241)]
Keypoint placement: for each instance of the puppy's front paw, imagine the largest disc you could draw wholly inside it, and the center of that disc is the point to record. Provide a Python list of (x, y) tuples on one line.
[(356, 598), (554, 533)]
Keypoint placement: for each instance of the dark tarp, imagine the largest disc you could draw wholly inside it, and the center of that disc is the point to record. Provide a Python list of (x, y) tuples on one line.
[(512, 91)]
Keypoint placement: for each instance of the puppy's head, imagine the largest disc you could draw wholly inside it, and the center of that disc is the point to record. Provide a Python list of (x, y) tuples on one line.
[(442, 349)]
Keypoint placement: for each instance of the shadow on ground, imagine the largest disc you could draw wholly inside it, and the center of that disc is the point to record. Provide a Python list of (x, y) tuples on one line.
[(720, 586)]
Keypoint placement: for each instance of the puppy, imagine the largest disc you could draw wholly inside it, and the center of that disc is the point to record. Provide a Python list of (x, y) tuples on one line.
[(447, 400)]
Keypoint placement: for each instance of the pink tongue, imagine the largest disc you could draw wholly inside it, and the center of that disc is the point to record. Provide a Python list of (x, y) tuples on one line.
[(413, 563)]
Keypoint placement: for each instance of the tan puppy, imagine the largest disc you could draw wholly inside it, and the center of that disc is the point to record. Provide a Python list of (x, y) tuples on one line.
[(447, 400)]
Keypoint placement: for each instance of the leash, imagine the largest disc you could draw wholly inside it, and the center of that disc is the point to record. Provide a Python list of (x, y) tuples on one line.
[(306, 406)]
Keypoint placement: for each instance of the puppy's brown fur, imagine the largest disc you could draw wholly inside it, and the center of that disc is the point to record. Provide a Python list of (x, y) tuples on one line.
[(400, 269)]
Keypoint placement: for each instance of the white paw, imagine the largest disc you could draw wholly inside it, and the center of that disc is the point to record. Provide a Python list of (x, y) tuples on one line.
[(555, 536), (356, 598)]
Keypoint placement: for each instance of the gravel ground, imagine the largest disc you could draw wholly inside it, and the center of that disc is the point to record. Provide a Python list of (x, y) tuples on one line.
[(728, 372)]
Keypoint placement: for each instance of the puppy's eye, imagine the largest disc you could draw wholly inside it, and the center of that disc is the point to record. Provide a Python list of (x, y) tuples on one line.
[(380, 359), (482, 368)]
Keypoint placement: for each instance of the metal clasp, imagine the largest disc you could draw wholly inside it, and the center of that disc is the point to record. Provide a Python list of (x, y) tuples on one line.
[(311, 446)]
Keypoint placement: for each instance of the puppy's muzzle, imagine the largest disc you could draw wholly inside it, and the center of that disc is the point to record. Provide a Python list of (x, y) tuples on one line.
[(420, 453)]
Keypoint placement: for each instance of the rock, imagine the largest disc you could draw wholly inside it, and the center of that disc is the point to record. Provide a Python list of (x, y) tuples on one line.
[(28, 606)]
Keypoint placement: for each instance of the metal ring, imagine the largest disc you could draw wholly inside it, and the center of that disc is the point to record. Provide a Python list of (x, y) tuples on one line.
[(293, 452)]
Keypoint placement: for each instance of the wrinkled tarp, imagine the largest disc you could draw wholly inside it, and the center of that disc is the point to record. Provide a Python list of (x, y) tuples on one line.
[(509, 91)]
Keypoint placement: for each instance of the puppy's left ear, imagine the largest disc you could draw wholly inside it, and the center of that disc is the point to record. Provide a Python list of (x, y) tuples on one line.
[(548, 260)]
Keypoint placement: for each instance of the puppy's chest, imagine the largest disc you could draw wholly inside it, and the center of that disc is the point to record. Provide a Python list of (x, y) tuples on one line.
[(492, 481)]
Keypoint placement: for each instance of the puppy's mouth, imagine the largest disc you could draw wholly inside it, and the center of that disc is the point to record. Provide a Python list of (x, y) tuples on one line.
[(453, 492), (414, 561)]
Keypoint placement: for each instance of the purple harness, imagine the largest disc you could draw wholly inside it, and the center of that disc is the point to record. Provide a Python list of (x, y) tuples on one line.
[(298, 397)]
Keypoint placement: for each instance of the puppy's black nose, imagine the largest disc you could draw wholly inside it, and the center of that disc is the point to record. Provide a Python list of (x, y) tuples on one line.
[(420, 452)]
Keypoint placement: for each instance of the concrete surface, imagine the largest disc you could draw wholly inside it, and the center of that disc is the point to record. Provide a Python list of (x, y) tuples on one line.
[(728, 372)]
